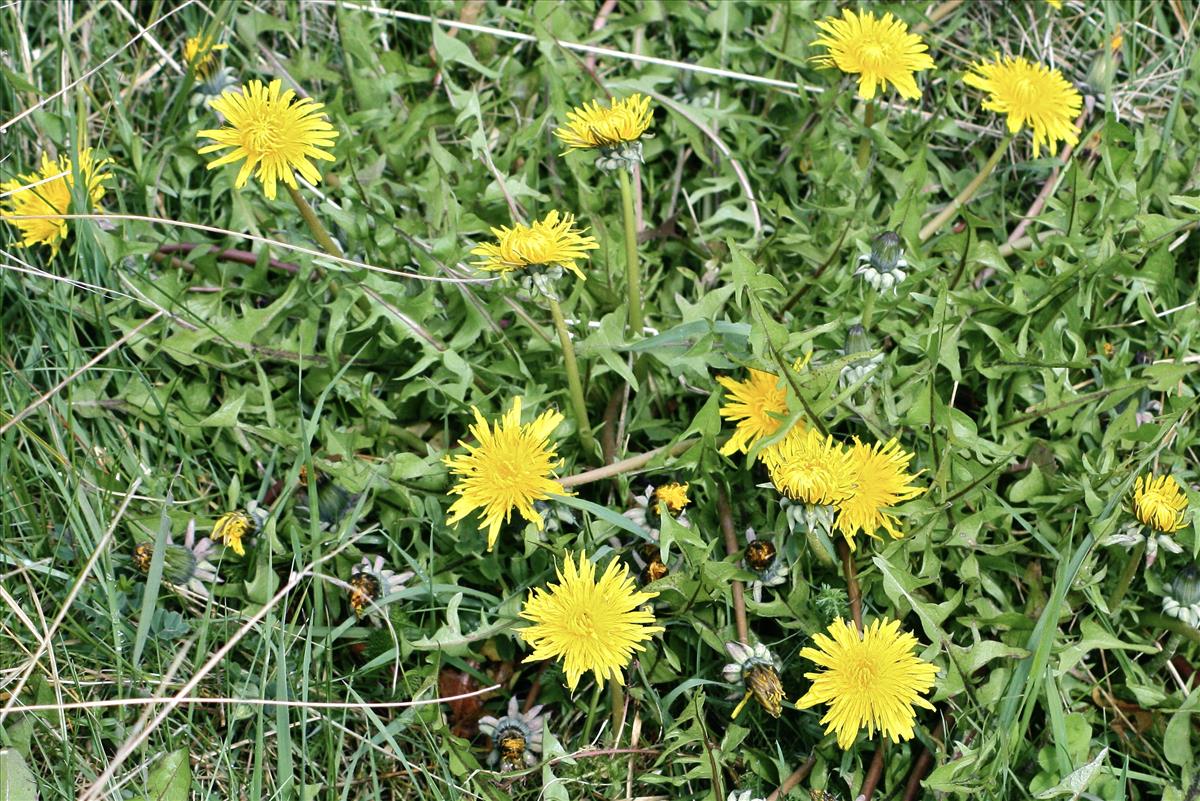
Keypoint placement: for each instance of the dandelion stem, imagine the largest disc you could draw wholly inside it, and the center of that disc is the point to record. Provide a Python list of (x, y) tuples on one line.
[(731, 548), (573, 383), (968, 192), (314, 223), (874, 773), (633, 276), (852, 588), (590, 721), (794, 778), (864, 144), (617, 691), (1135, 559), (868, 308)]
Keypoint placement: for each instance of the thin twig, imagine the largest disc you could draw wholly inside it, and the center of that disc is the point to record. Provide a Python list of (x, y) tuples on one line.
[(626, 465), (731, 548)]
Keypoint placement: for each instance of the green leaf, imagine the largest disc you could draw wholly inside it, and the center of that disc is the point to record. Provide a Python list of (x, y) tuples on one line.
[(170, 778), (17, 782)]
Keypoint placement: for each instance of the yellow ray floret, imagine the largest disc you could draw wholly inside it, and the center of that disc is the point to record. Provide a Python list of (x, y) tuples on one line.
[(1159, 502), (1030, 94), (47, 193), (589, 624), (271, 131), (553, 241), (881, 480), (593, 125), (870, 681), (878, 51), (511, 467)]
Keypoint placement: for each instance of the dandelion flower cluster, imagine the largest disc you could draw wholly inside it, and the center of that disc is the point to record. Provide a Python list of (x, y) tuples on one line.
[(510, 468), (271, 131), (757, 405), (550, 242), (878, 51), (1159, 502), (590, 624), (1030, 94), (870, 680), (47, 194)]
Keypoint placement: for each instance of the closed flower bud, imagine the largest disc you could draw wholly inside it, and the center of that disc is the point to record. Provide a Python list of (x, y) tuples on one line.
[(884, 267)]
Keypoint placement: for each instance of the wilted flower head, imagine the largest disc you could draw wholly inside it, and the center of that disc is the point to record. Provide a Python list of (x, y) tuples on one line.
[(370, 582), (185, 566), (1133, 533), (272, 131), (757, 669), (1159, 502), (591, 624), (200, 54), (1030, 94), (650, 505), (553, 242), (1182, 597), (762, 558), (880, 481), (510, 468), (231, 527), (884, 267), (516, 736), (47, 193), (869, 680), (878, 51), (615, 130)]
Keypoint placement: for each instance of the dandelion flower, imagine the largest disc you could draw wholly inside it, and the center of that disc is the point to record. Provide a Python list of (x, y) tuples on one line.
[(552, 242), (879, 51), (880, 481), (808, 467), (185, 566), (597, 126), (1030, 94), (674, 496), (200, 54), (757, 406), (47, 192), (516, 736), (757, 669), (231, 527), (592, 625), (762, 558), (870, 680), (512, 467), (274, 132), (1057, 4), (1159, 502)]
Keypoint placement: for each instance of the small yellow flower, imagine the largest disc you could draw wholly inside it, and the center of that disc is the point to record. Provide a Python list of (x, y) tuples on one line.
[(592, 625), (1159, 502), (881, 481), (512, 466), (597, 126), (1056, 3), (552, 242), (870, 680), (879, 51), (230, 528), (810, 468), (757, 405), (271, 132), (200, 54), (1030, 94), (673, 495), (46, 193)]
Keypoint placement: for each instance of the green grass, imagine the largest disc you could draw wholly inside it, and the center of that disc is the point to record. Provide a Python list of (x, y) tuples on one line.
[(1014, 367)]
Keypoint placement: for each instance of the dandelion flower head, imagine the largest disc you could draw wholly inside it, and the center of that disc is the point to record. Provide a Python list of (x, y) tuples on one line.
[(200, 54), (674, 496), (47, 193), (878, 51), (272, 131), (591, 624), (1030, 94), (1159, 502), (230, 528), (870, 680), (510, 468), (553, 241), (757, 406), (881, 480), (808, 467), (596, 126)]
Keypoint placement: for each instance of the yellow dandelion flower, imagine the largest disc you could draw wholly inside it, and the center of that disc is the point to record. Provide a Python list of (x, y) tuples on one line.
[(592, 625), (512, 466), (878, 51), (870, 680), (274, 132), (811, 468), (1030, 94), (1159, 502), (597, 126), (1057, 4), (881, 481), (230, 528), (47, 193), (757, 405), (673, 495), (200, 54), (554, 241)]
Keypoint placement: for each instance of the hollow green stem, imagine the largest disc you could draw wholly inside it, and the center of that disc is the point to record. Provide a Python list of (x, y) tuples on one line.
[(314, 223), (968, 192), (590, 721), (864, 144), (618, 709), (1123, 582), (868, 308), (573, 383), (633, 277)]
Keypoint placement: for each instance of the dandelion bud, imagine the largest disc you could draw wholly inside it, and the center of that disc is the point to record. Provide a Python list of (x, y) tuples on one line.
[(757, 669), (863, 369), (884, 267), (1182, 599)]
